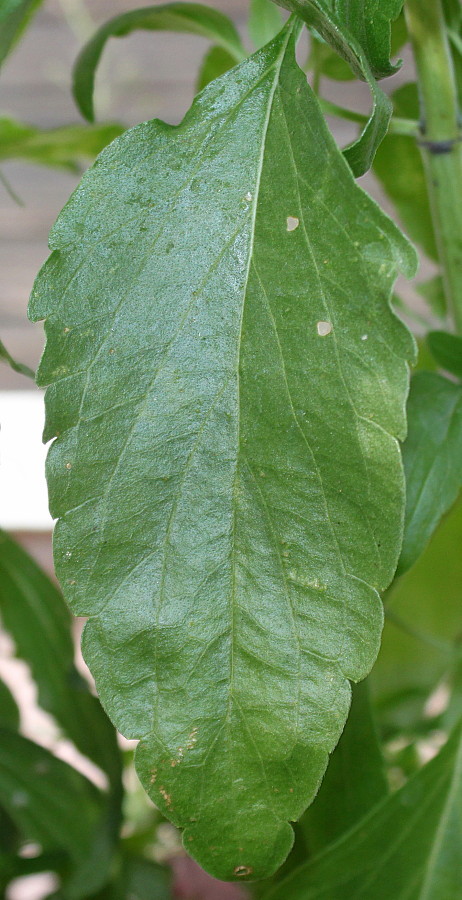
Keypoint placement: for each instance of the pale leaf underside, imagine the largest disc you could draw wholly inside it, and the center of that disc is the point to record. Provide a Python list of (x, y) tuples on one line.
[(227, 386)]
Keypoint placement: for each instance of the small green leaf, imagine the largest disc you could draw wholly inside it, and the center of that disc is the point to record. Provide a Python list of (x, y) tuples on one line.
[(398, 166), (14, 18), (188, 18), (408, 848), (320, 15), (63, 147), (355, 779), (226, 470), (432, 457), (215, 63), (265, 21), (447, 350), (370, 22), (33, 611), (9, 712), (16, 366)]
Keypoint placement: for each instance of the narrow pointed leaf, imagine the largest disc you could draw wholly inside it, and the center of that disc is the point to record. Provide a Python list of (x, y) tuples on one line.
[(408, 848), (64, 147), (226, 472), (5, 356), (14, 18), (447, 350), (320, 15), (188, 18), (33, 612), (432, 455)]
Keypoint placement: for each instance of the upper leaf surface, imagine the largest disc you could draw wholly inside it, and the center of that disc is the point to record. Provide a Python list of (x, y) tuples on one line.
[(226, 471), (432, 456), (408, 847), (321, 15), (189, 18)]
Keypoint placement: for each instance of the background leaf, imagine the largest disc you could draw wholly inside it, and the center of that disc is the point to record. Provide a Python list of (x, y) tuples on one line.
[(215, 63), (190, 18), (9, 712), (64, 147), (14, 18), (432, 457), (16, 366), (399, 168), (228, 324), (447, 350), (408, 846), (265, 21)]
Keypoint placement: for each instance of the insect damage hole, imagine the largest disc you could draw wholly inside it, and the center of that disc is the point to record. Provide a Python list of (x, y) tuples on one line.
[(324, 328), (292, 223)]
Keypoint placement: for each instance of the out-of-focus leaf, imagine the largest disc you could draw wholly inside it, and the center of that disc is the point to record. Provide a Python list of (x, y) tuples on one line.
[(398, 166), (17, 366), (433, 292), (432, 457), (265, 21), (355, 779), (14, 18), (447, 350), (188, 18), (215, 63), (333, 28), (64, 147), (49, 801), (180, 476), (9, 712), (419, 639), (33, 611), (408, 848)]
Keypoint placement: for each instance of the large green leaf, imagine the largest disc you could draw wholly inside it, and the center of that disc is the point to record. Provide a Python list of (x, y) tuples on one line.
[(226, 470), (355, 779), (63, 147), (33, 611), (189, 18), (399, 167), (432, 455), (14, 17), (333, 28), (408, 848)]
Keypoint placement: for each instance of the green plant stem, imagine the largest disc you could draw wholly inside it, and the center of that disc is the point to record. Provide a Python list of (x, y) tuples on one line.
[(440, 140), (407, 127)]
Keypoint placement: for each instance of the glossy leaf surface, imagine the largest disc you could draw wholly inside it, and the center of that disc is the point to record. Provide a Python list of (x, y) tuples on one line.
[(432, 456), (189, 18), (331, 25), (408, 847), (227, 408), (447, 350), (64, 147)]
